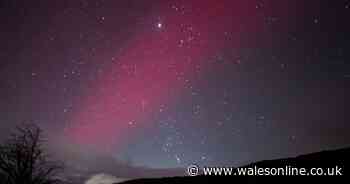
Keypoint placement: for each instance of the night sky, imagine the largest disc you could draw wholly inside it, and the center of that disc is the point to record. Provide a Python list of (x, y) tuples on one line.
[(166, 84)]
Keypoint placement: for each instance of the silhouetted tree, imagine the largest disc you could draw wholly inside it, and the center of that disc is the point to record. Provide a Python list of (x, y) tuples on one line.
[(23, 159)]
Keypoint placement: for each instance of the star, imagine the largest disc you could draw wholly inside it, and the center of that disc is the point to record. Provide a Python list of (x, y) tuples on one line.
[(178, 160), (179, 82), (131, 123)]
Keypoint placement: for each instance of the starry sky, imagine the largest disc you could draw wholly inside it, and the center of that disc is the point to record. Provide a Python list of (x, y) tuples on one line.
[(165, 84)]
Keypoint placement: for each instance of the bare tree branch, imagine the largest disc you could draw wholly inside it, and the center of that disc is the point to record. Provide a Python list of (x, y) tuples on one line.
[(23, 159)]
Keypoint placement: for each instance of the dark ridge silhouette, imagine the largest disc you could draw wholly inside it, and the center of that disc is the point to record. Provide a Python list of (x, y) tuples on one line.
[(326, 159)]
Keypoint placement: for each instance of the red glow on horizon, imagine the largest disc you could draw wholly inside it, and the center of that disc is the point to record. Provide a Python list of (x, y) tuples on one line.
[(151, 70)]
